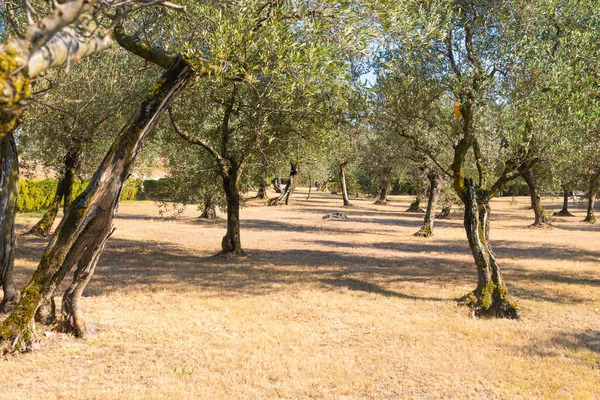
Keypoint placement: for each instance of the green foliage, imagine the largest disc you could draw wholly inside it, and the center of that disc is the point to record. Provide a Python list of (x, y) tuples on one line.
[(157, 190), (38, 194)]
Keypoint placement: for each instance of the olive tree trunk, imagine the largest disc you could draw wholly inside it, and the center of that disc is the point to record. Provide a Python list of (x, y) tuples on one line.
[(79, 238), (592, 192), (231, 243), (536, 200), (289, 189), (415, 206), (277, 184), (343, 182), (208, 209), (262, 190), (491, 297), (64, 191), (565, 208), (435, 186), (445, 213), (9, 187), (383, 193)]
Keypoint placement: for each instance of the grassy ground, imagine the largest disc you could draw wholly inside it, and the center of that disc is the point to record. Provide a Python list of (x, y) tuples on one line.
[(355, 308)]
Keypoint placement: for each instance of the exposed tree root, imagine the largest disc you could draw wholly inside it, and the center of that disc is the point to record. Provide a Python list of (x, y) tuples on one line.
[(491, 302)]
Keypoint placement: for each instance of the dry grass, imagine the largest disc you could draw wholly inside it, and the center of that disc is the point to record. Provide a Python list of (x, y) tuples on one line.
[(355, 308)]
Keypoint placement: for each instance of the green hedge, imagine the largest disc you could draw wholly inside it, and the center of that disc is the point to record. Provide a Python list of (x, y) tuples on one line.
[(158, 190), (37, 194)]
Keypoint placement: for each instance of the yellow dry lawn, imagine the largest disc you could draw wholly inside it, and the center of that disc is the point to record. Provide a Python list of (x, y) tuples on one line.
[(325, 309)]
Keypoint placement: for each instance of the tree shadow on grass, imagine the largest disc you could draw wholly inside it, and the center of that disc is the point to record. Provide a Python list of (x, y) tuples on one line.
[(362, 286), (578, 343)]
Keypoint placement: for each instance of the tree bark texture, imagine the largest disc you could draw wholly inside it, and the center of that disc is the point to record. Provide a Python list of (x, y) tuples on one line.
[(88, 221), (536, 200), (491, 297), (71, 302), (343, 182), (231, 243), (565, 208), (9, 186), (590, 217), (435, 186)]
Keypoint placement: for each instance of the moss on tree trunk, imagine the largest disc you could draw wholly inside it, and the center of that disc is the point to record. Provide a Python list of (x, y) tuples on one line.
[(89, 219), (490, 297), (231, 243)]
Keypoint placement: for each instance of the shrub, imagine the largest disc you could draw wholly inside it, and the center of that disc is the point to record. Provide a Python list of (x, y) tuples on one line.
[(38, 194)]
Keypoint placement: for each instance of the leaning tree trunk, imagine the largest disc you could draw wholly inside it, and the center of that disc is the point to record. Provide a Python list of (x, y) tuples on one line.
[(9, 187), (289, 189), (565, 209), (415, 206), (88, 222), (435, 186), (445, 213), (536, 201), (71, 302), (43, 226), (592, 191), (291, 185), (231, 243), (209, 210), (491, 297), (64, 190), (343, 182)]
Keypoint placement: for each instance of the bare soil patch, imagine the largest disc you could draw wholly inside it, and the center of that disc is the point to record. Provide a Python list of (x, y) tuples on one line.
[(323, 308)]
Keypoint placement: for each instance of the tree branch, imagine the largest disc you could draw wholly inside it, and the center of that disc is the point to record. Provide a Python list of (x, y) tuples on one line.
[(134, 45)]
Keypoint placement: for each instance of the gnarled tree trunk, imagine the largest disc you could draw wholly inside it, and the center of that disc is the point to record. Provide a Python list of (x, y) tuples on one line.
[(491, 297), (208, 209), (445, 213), (343, 182), (435, 186), (536, 200), (415, 206), (9, 187), (383, 192), (231, 243), (565, 208), (592, 191), (71, 305), (88, 220), (289, 189)]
